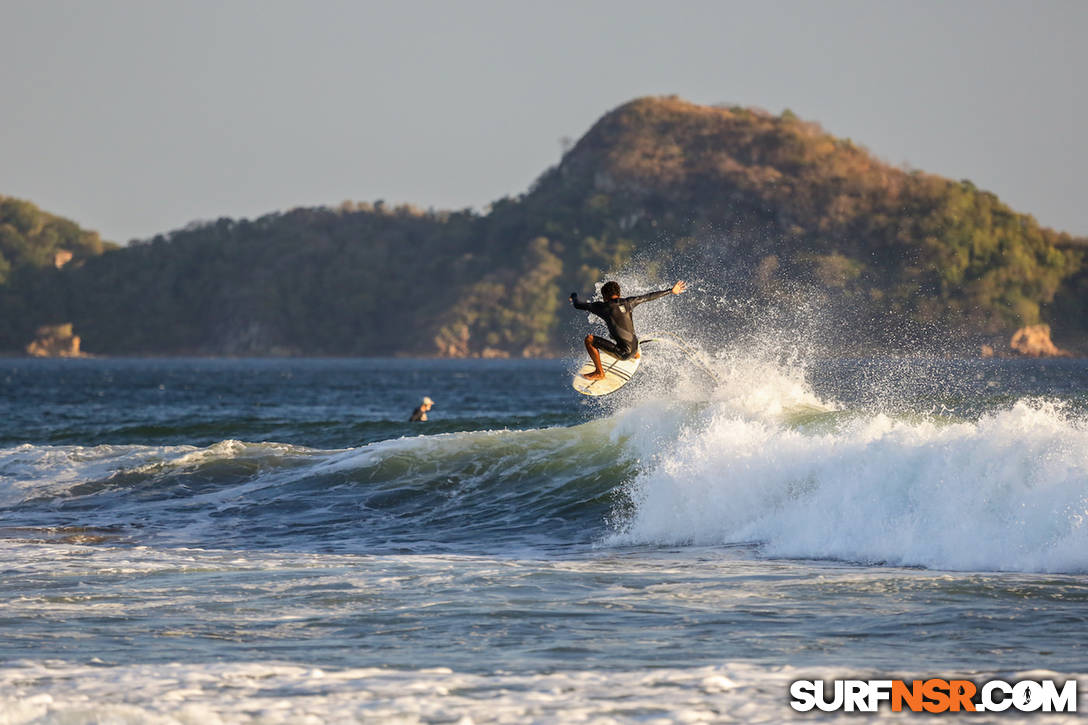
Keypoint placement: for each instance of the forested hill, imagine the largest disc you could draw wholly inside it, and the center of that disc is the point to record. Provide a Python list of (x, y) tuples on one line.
[(32, 238), (768, 209)]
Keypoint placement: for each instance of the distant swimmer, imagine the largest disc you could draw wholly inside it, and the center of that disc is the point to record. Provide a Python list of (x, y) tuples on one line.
[(616, 313), (420, 413)]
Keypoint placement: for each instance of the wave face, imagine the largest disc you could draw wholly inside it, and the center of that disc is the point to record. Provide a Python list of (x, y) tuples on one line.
[(485, 489), (959, 466)]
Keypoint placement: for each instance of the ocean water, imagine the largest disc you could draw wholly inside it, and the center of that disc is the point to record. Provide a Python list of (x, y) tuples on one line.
[(269, 541)]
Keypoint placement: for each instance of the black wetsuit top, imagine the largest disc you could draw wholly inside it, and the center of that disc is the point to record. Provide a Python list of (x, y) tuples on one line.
[(617, 315), (417, 414)]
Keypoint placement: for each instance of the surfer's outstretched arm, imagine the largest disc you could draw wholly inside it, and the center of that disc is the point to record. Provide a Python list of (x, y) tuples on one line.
[(676, 289)]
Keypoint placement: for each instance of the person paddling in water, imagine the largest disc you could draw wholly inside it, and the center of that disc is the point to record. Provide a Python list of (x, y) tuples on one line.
[(616, 313)]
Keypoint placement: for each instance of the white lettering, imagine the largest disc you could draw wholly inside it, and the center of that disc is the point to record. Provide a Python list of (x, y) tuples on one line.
[(854, 695), (804, 695), (989, 703), (836, 702), (994, 696), (1027, 696), (1064, 701), (879, 691)]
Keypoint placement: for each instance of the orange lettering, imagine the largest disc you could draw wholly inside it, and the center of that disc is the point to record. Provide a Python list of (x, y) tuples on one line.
[(936, 691), (961, 692), (911, 695)]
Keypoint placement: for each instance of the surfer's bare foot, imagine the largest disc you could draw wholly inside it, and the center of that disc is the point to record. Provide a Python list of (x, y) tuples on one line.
[(594, 376)]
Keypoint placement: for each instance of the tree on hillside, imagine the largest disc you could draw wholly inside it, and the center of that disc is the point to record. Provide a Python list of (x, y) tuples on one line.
[(768, 209)]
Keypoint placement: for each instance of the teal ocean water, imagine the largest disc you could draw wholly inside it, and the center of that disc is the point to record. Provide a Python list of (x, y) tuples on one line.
[(247, 541)]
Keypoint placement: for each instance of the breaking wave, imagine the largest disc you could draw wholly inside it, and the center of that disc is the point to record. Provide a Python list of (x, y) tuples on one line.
[(732, 450)]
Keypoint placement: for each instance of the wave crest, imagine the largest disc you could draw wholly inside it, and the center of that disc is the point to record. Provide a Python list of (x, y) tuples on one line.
[(1006, 492)]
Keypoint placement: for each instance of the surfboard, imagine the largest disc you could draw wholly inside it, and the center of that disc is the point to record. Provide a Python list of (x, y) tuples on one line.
[(617, 373)]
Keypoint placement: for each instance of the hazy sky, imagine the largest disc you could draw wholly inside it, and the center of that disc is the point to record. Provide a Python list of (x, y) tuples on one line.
[(135, 117)]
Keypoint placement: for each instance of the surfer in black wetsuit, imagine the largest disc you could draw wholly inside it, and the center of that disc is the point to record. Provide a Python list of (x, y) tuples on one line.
[(616, 313)]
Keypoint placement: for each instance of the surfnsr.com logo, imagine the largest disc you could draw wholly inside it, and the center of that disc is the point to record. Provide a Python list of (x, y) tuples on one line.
[(934, 695)]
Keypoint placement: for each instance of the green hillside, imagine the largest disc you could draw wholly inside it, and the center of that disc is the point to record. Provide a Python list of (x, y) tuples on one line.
[(764, 208), (769, 201), (32, 238)]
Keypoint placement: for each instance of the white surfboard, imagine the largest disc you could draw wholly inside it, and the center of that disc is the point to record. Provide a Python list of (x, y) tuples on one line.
[(617, 373)]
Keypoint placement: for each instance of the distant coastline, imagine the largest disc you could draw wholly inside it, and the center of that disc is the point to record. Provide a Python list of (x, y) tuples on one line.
[(773, 218)]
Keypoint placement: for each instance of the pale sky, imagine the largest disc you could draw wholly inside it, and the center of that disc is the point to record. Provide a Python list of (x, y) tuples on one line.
[(135, 117)]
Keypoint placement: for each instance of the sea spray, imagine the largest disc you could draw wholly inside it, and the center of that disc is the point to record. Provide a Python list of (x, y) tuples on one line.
[(914, 467), (309, 554), (758, 454), (1006, 492)]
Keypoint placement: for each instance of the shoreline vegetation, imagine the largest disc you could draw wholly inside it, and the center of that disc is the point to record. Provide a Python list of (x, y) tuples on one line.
[(768, 211)]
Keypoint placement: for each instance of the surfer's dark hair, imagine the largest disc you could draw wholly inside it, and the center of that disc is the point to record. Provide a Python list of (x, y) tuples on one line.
[(610, 290)]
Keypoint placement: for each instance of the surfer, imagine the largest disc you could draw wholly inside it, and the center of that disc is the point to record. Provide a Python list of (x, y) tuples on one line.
[(420, 413), (616, 313)]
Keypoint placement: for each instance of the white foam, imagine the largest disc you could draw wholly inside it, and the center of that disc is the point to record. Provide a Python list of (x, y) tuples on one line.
[(1007, 492), (36, 471), (30, 471), (261, 692)]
